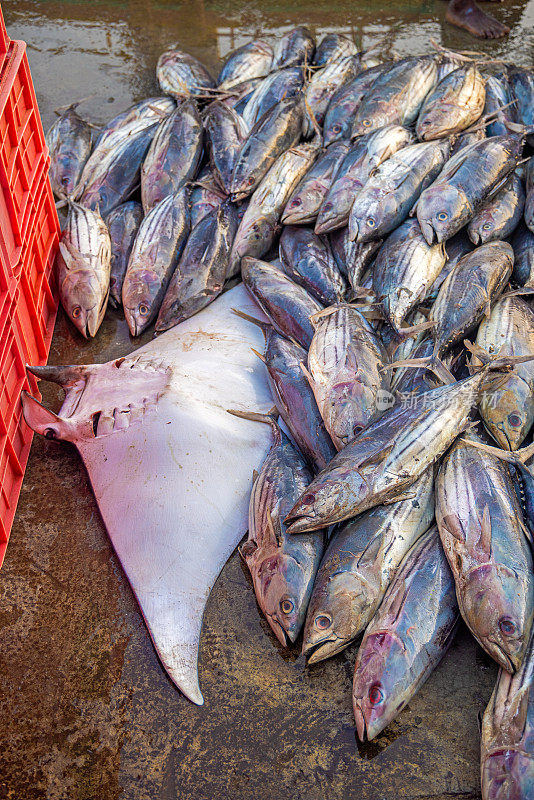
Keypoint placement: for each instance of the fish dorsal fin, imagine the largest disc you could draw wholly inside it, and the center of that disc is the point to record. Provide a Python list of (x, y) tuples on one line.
[(371, 550), (273, 530), (484, 541)]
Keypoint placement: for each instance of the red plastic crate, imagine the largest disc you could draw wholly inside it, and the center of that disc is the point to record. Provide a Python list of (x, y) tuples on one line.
[(29, 234)]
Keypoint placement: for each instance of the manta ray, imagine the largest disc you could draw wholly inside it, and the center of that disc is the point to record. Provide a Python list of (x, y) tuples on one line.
[(171, 470)]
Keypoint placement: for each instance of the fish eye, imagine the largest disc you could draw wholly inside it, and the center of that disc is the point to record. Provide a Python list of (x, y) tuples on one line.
[(76, 312), (250, 180), (442, 216), (486, 226), (507, 626), (336, 128), (327, 206), (296, 202), (376, 695), (514, 420), (366, 123), (287, 606), (308, 499), (49, 433), (371, 223), (143, 309), (322, 622)]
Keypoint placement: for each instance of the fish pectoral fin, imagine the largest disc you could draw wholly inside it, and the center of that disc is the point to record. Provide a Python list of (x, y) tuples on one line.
[(451, 523), (518, 711), (484, 540), (398, 498), (248, 549)]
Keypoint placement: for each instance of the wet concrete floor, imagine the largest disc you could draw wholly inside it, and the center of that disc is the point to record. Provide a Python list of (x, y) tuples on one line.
[(86, 711)]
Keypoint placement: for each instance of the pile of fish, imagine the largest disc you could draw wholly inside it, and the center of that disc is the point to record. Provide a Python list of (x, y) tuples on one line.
[(380, 213)]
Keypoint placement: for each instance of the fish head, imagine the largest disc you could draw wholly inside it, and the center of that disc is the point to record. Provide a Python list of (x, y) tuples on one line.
[(139, 294), (482, 229), (378, 213), (497, 602), (381, 681), (302, 205), (441, 211), (380, 117), (508, 413), (84, 299), (352, 406), (339, 609), (331, 497)]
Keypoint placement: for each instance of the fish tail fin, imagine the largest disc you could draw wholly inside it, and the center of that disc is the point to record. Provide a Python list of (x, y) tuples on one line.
[(271, 418), (432, 363), (255, 321), (513, 457)]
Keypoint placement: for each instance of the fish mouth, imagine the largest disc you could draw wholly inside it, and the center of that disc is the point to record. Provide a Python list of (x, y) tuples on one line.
[(427, 230), (361, 725), (302, 523), (503, 659), (278, 630), (475, 237), (326, 648), (326, 225)]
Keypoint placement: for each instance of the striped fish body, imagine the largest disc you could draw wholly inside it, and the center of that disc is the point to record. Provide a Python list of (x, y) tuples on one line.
[(225, 134), (479, 520), (113, 171), (396, 96), (280, 128), (358, 566), (182, 76), (201, 272), (83, 265), (498, 218), (342, 107), (295, 401), (508, 409), (507, 744), (345, 365), (322, 86), (389, 194), (69, 141), (407, 638), (467, 293), (308, 260), (154, 256), (270, 91), (294, 48), (305, 201), (260, 224), (404, 270), (365, 155), (134, 119), (455, 104), (522, 243), (173, 156), (282, 567), (123, 224), (352, 257), (333, 47), (252, 60), (498, 95), (287, 305), (388, 456)]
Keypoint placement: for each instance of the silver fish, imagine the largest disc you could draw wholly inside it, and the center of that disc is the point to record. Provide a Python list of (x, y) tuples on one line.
[(201, 271), (453, 105), (153, 259), (272, 89), (261, 220), (251, 60), (182, 76), (358, 566), (306, 200), (507, 745), (282, 567), (479, 520), (69, 141), (225, 134), (508, 410), (387, 197), (322, 86), (294, 48), (345, 371), (308, 260), (404, 270), (83, 265), (499, 218), (173, 156), (123, 224), (407, 638)]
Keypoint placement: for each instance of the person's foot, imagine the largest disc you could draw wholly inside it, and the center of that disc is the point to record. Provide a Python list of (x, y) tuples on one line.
[(467, 15)]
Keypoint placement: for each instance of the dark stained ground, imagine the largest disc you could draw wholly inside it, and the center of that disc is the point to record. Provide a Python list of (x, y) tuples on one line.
[(87, 712)]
